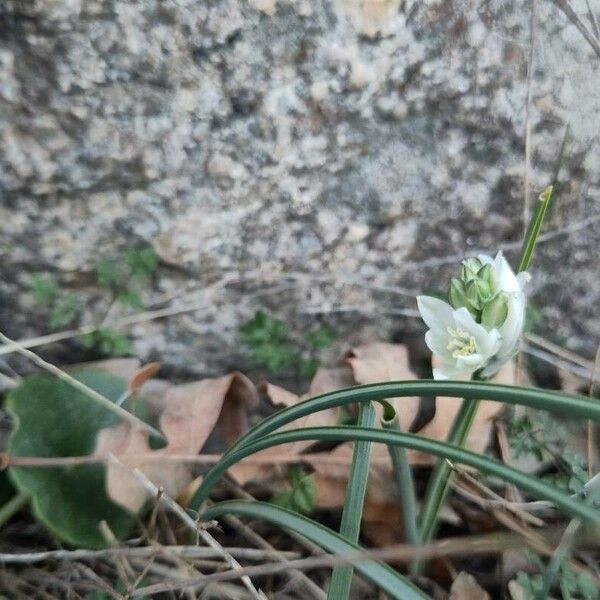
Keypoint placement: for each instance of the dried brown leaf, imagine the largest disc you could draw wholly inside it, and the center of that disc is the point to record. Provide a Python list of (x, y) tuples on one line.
[(189, 414), (369, 363), (325, 380), (142, 375), (380, 361)]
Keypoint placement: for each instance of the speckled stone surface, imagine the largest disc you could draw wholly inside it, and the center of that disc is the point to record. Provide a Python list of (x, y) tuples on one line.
[(325, 159)]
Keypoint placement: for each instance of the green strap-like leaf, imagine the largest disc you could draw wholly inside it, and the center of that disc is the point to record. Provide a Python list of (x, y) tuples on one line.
[(570, 405), (341, 579), (379, 573), (534, 228), (528, 483)]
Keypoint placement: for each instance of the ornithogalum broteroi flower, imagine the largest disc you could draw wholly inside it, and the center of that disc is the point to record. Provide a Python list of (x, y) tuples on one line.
[(477, 331)]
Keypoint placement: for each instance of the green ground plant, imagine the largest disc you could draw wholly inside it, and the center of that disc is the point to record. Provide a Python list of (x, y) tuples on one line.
[(271, 345), (122, 278)]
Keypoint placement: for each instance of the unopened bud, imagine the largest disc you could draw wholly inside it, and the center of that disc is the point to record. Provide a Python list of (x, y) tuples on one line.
[(488, 274), (495, 311), (478, 293), (470, 268), (456, 293)]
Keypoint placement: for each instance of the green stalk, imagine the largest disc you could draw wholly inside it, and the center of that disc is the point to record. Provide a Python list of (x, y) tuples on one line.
[(341, 579), (439, 481), (403, 475), (13, 506)]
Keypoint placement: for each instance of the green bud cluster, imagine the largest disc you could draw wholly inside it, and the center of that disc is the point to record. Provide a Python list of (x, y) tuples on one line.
[(477, 290)]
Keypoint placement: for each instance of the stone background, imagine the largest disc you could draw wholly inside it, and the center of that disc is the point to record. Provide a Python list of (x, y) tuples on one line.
[(325, 159)]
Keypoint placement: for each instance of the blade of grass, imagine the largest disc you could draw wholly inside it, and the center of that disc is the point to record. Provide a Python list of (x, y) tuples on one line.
[(534, 228), (403, 475), (341, 579), (530, 484), (385, 577)]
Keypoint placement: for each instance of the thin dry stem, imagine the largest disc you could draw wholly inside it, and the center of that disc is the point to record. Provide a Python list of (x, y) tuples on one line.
[(566, 8), (559, 351), (193, 526), (126, 573), (467, 490), (295, 575), (202, 459), (190, 552), (528, 126), (78, 385), (460, 546), (150, 315)]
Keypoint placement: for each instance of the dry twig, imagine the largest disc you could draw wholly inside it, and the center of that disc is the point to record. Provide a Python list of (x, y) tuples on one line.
[(88, 391), (193, 526)]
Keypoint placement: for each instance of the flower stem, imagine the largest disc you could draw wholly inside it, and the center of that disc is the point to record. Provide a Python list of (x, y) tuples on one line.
[(341, 579), (403, 476), (439, 482)]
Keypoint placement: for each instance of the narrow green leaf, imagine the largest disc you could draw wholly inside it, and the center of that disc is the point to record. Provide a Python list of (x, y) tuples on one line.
[(534, 228), (403, 475), (527, 483), (341, 580), (12, 506), (569, 405), (382, 575)]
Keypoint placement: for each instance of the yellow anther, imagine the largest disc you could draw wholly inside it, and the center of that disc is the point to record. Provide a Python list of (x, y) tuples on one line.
[(461, 343)]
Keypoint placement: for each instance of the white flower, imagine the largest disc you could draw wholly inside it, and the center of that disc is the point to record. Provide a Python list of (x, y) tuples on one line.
[(461, 343), (513, 287)]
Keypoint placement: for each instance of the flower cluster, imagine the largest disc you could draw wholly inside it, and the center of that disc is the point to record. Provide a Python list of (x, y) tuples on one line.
[(478, 329)]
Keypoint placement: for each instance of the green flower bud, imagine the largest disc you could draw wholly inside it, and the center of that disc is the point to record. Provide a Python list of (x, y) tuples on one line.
[(478, 293), (487, 274), (471, 267), (495, 311), (456, 293)]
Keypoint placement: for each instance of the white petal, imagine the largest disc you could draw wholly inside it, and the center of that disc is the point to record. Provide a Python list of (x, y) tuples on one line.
[(524, 278), (449, 372), (507, 280), (437, 341), (491, 344), (471, 362), (436, 313), (464, 319), (511, 328)]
